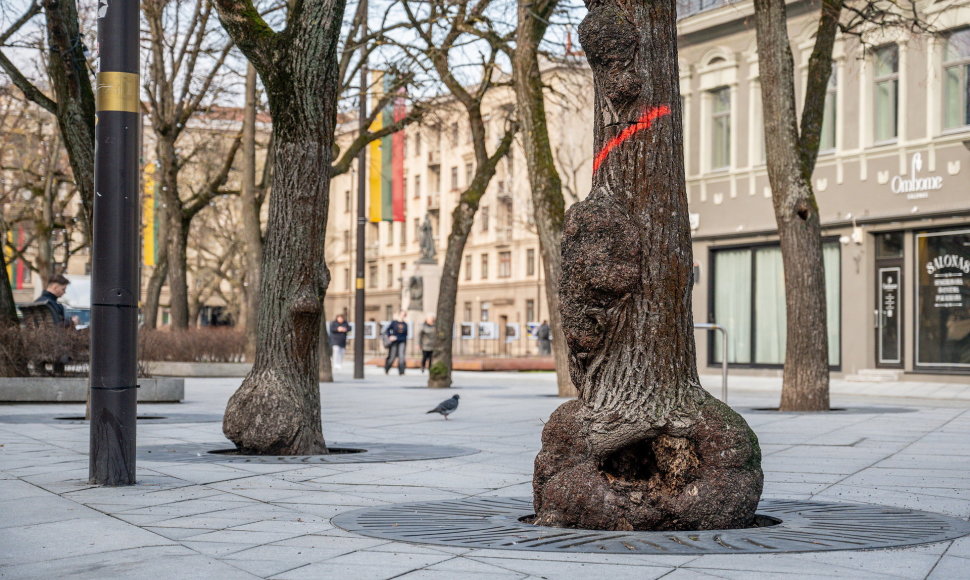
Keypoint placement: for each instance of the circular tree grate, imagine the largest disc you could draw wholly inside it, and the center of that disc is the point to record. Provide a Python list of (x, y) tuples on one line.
[(80, 420), (805, 526), (344, 453)]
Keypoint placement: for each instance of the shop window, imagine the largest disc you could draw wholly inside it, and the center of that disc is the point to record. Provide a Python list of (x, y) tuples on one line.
[(827, 139), (746, 277), (720, 128), (943, 300), (886, 92), (956, 72), (889, 245)]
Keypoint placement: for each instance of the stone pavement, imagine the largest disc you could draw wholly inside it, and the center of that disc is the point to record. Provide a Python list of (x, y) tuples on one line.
[(206, 519)]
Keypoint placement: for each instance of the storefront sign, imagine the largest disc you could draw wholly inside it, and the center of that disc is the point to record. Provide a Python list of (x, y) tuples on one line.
[(914, 186), (943, 299)]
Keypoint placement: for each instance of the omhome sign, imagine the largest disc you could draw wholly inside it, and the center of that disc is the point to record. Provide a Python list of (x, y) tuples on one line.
[(916, 187)]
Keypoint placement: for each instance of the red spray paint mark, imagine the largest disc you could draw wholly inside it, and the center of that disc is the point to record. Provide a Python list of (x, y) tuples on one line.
[(642, 123)]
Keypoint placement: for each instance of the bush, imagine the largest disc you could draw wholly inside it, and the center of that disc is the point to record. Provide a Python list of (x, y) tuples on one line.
[(47, 351), (193, 345)]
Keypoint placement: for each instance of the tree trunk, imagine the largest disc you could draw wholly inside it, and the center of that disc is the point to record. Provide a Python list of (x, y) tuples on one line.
[(645, 447), (547, 199), (176, 238), (462, 220), (13, 360), (251, 229), (805, 383), (75, 112), (326, 364), (157, 278), (277, 408)]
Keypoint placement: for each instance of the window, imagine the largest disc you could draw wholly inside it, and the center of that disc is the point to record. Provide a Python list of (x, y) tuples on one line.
[(388, 312), (483, 212), (530, 263), (827, 137), (372, 276), (454, 134), (468, 311), (746, 277), (417, 186), (486, 307), (469, 173), (454, 177), (484, 266), (390, 276), (943, 300), (956, 72), (530, 310), (347, 203), (390, 233), (417, 230), (404, 234), (886, 92), (347, 278), (468, 267), (720, 128), (347, 247), (417, 144), (505, 264), (400, 278)]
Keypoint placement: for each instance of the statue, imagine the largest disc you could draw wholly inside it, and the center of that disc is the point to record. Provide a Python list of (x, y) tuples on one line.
[(416, 293), (427, 243)]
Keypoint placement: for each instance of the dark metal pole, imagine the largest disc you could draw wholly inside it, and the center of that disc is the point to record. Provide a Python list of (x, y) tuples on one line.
[(114, 274), (361, 207)]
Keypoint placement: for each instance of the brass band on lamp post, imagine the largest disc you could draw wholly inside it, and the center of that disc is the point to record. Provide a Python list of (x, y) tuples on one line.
[(115, 245)]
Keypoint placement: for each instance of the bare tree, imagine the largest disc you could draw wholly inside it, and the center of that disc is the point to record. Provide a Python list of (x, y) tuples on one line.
[(277, 408), (187, 60), (73, 99), (645, 446), (441, 29), (791, 151), (548, 204)]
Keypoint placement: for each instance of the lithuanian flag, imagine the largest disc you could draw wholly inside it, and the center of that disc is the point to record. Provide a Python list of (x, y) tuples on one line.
[(385, 165)]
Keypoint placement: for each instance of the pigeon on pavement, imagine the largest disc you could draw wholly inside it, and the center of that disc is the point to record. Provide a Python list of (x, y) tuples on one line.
[(446, 407)]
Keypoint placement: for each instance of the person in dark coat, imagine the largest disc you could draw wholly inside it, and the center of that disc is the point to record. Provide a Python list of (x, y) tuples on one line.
[(427, 339), (397, 340), (545, 339), (56, 287), (338, 340)]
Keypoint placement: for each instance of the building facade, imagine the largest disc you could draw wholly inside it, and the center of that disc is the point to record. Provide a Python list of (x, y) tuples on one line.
[(891, 183)]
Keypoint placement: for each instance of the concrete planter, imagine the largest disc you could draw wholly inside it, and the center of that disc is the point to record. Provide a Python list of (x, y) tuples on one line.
[(74, 390), (198, 369)]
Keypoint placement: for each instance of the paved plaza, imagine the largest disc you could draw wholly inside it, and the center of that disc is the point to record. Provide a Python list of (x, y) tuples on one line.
[(202, 517)]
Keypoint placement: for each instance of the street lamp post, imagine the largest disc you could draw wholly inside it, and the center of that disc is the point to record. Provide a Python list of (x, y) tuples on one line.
[(114, 273), (361, 209)]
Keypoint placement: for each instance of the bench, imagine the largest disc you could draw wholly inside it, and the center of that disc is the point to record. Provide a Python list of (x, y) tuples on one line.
[(52, 344)]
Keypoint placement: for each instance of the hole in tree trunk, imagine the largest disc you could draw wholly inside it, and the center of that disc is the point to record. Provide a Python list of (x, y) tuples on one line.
[(634, 463)]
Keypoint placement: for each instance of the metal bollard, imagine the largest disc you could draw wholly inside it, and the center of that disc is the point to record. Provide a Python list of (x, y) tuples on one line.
[(724, 355)]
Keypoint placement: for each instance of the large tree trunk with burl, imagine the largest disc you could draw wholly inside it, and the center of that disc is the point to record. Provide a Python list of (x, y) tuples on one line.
[(645, 447), (547, 199), (277, 408)]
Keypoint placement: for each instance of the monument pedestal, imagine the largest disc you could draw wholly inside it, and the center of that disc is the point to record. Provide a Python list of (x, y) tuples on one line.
[(420, 293)]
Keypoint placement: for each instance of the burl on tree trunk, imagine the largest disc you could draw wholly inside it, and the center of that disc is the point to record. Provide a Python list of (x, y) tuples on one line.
[(645, 447)]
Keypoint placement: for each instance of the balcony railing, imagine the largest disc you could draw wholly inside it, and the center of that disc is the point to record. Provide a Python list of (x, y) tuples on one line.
[(687, 8)]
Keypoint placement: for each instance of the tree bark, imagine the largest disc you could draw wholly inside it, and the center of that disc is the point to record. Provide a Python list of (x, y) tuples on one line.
[(462, 219), (13, 359), (326, 363), (805, 382), (277, 408), (252, 232), (176, 235), (645, 447), (75, 106), (547, 199)]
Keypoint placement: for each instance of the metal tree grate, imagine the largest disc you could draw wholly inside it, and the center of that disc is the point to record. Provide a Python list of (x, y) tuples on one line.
[(806, 526), (154, 417), (342, 453)]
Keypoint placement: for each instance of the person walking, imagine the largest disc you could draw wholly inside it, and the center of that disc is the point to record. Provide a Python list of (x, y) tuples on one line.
[(397, 339), (338, 340), (427, 340), (543, 335)]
